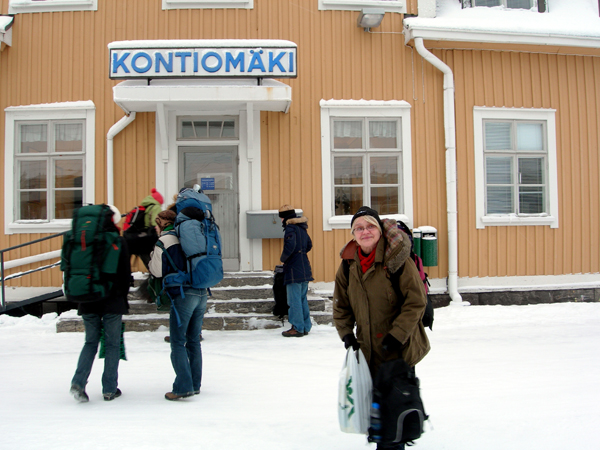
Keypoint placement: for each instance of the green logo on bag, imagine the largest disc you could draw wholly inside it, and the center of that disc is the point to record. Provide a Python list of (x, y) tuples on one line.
[(349, 391)]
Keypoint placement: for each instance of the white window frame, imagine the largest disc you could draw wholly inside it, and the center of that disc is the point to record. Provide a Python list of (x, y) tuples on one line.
[(33, 6), (397, 6), (84, 110), (207, 4), (490, 113), (473, 3), (393, 109)]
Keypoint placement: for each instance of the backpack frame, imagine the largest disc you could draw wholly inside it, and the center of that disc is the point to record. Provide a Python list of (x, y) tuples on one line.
[(90, 252)]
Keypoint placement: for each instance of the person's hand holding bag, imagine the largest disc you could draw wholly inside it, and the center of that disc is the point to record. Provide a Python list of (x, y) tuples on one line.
[(350, 341)]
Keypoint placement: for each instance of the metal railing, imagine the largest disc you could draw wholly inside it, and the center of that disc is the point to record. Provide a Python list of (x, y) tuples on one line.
[(27, 260)]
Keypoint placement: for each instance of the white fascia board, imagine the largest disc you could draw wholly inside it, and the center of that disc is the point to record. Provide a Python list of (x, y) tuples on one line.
[(497, 37), (203, 43), (138, 96), (396, 6)]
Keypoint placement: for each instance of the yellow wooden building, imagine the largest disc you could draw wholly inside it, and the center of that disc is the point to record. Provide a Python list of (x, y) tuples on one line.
[(477, 119)]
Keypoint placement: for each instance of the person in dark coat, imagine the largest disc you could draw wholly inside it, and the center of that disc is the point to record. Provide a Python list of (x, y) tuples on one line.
[(104, 315), (387, 328), (296, 270)]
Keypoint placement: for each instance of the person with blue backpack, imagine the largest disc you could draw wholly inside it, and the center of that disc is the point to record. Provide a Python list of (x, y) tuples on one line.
[(296, 269), (186, 313)]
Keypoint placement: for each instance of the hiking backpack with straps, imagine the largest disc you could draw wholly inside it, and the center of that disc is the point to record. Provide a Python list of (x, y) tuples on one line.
[(134, 220), (90, 252), (200, 240)]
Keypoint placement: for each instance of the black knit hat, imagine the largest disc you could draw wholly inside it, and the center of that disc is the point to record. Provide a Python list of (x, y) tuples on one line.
[(287, 212), (366, 211)]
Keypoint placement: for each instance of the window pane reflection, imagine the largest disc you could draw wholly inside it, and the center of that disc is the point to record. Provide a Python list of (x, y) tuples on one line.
[(33, 175), (33, 205), (384, 170), (385, 200), (68, 137), (66, 202), (34, 138), (348, 200), (68, 173)]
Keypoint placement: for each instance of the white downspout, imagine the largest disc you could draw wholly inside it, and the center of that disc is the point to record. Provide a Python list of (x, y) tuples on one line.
[(450, 136), (114, 130)]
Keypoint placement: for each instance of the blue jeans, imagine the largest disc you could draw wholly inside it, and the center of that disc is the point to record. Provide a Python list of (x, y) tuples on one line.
[(298, 314), (186, 352), (112, 342)]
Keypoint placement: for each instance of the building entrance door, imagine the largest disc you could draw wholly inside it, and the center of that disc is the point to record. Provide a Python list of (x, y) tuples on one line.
[(214, 168)]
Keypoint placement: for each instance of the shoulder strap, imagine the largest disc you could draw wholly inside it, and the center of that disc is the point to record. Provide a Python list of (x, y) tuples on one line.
[(160, 245), (395, 280), (346, 269)]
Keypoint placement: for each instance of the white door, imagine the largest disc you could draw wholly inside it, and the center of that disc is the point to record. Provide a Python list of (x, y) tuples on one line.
[(214, 168)]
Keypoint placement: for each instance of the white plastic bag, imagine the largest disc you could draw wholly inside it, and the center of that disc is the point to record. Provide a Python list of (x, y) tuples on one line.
[(354, 394)]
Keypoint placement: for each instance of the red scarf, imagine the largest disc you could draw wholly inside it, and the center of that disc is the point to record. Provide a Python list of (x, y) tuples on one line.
[(366, 261)]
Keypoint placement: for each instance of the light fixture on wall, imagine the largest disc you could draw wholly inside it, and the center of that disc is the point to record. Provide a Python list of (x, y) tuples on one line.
[(370, 18)]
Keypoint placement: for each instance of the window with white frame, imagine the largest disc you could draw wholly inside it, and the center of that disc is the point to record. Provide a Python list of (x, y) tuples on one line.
[(397, 6), (31, 6), (207, 4), (516, 168), (509, 4), (49, 163), (366, 159)]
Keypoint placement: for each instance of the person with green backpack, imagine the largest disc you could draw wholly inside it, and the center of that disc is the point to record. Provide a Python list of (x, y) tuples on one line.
[(97, 276)]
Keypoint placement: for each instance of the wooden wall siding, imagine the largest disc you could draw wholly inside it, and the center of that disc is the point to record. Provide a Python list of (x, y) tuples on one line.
[(63, 57), (532, 80)]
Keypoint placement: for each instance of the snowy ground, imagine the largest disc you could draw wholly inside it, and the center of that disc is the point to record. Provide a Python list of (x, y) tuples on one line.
[(498, 377)]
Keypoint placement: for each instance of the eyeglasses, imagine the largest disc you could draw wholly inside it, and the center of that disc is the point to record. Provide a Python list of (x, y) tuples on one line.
[(369, 228)]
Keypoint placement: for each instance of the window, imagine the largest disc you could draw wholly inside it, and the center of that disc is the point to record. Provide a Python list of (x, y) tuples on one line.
[(193, 128), (516, 172), (366, 159), (206, 4), (398, 6), (49, 163), (509, 4), (31, 6)]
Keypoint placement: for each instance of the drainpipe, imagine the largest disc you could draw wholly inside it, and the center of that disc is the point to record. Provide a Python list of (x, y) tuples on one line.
[(450, 138), (114, 130)]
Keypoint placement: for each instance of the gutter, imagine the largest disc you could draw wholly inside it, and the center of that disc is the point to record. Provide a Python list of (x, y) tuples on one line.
[(114, 130), (450, 143)]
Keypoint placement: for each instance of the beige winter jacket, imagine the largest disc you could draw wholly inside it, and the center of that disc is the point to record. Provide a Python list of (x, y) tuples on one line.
[(369, 300)]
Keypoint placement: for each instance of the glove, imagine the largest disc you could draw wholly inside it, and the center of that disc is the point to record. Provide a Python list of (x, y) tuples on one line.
[(350, 341), (391, 344)]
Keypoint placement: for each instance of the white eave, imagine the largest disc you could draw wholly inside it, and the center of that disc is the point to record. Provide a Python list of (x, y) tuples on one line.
[(436, 33), (195, 94)]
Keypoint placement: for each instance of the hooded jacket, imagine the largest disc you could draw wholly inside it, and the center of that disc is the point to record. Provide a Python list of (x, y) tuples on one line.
[(369, 301), (152, 210), (296, 245)]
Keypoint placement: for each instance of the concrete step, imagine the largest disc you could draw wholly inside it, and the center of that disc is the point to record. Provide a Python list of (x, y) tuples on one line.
[(239, 302), (262, 306)]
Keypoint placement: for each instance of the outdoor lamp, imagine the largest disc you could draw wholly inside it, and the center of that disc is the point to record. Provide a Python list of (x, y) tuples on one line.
[(370, 18)]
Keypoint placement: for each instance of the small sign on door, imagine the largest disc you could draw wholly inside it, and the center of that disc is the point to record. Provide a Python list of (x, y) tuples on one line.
[(207, 184)]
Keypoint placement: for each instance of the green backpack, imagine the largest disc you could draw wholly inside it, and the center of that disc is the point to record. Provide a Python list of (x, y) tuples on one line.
[(90, 252)]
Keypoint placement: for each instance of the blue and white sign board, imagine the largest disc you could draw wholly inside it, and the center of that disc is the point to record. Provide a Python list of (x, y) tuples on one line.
[(207, 184), (202, 59)]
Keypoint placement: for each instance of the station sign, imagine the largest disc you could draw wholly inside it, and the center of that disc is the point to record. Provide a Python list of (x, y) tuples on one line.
[(202, 59)]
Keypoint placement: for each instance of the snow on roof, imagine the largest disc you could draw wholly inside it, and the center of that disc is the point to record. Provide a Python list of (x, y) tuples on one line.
[(213, 43), (83, 104), (564, 18)]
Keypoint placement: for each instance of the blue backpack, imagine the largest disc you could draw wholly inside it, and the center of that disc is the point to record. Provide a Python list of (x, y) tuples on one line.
[(200, 240)]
